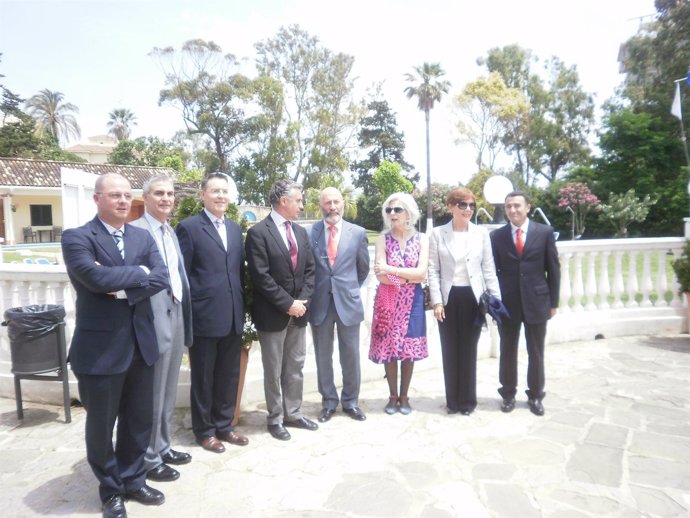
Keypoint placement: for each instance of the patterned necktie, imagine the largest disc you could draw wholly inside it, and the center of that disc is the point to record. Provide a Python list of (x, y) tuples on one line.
[(519, 241), (118, 236), (220, 227), (292, 245), (172, 262), (332, 244)]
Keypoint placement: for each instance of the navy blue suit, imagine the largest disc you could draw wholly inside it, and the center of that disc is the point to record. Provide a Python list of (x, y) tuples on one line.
[(530, 287), (216, 284), (114, 347)]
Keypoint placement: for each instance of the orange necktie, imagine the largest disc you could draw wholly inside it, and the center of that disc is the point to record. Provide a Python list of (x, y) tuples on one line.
[(519, 241), (332, 244)]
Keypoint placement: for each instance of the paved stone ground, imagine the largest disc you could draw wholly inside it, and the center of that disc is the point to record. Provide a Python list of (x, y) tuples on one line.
[(615, 442)]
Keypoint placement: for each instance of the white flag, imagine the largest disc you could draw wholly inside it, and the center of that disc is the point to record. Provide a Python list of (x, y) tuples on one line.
[(675, 107)]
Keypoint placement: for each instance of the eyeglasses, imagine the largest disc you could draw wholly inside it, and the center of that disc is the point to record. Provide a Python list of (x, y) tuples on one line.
[(117, 195), (463, 205), (397, 210)]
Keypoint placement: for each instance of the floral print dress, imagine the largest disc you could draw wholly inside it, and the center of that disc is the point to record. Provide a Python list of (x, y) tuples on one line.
[(399, 325)]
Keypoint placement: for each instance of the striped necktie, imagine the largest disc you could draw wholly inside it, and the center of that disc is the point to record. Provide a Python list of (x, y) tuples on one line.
[(118, 236), (292, 244)]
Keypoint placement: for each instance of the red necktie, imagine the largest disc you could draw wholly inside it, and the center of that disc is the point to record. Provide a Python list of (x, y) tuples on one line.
[(332, 244), (292, 244), (519, 241)]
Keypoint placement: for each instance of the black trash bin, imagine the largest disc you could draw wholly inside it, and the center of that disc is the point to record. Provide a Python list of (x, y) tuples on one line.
[(37, 347)]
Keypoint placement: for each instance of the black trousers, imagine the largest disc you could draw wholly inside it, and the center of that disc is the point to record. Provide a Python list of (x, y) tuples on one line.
[(215, 375), (459, 338), (535, 334), (127, 397)]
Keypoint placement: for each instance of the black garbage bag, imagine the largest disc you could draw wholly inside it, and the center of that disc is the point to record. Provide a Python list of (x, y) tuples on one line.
[(31, 322)]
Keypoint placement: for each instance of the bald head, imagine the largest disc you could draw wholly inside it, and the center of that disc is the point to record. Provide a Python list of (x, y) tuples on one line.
[(331, 202)]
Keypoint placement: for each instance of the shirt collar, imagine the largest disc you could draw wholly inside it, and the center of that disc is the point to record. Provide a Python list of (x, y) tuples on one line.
[(278, 219), (111, 229), (523, 227), (213, 217), (155, 224), (339, 225)]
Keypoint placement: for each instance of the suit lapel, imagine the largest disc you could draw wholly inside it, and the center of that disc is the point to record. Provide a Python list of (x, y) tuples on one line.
[(106, 241), (280, 244), (210, 228)]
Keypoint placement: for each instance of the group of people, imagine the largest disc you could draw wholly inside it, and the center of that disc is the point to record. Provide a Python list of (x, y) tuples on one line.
[(145, 293), (517, 263)]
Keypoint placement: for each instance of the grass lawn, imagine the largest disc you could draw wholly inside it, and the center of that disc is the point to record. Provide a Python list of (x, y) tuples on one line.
[(17, 255)]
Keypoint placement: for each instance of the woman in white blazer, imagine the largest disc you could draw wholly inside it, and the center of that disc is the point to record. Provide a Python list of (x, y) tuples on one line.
[(461, 267)]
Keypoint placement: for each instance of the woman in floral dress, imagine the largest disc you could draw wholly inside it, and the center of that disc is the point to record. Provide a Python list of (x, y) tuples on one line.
[(399, 326)]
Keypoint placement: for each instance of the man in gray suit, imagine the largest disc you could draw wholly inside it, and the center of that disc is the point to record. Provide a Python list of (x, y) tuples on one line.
[(341, 256), (173, 323)]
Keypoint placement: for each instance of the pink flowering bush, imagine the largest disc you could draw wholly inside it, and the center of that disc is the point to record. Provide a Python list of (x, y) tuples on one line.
[(579, 199)]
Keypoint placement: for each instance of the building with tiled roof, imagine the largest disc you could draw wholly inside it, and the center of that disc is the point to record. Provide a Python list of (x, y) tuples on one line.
[(31, 195), (95, 150)]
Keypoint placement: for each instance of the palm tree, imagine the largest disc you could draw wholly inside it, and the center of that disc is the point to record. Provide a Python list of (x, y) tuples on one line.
[(54, 117), (121, 122), (427, 92)]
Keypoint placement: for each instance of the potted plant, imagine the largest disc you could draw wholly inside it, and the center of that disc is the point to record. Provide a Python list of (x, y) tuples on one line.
[(681, 267)]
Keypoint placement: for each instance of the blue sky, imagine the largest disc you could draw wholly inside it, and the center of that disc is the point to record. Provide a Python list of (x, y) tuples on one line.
[(96, 52)]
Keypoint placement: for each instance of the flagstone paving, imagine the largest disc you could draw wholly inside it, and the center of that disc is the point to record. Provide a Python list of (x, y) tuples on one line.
[(614, 442)]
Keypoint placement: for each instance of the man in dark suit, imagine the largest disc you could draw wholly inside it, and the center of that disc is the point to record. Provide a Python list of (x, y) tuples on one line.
[(214, 260), (172, 310), (115, 269), (529, 275), (341, 257), (282, 270)]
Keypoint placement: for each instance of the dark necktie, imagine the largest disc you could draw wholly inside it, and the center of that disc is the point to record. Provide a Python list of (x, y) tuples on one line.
[(291, 244)]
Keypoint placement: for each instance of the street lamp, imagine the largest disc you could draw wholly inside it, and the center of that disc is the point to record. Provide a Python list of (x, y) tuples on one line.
[(496, 189)]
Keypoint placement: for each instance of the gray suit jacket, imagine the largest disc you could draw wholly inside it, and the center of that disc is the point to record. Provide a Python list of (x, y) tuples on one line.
[(479, 260), (162, 303), (345, 279)]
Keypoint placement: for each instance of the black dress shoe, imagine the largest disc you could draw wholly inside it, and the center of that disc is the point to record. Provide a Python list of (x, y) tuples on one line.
[(163, 473), (114, 507), (146, 495), (303, 423), (176, 458), (466, 412), (508, 405), (326, 415), (355, 413), (279, 432), (536, 407), (452, 411)]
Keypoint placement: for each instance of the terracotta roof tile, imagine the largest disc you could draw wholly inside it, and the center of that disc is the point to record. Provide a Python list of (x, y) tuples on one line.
[(24, 172)]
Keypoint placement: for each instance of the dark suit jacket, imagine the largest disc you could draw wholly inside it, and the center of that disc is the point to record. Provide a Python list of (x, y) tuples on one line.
[(344, 279), (108, 329), (530, 285), (215, 275), (162, 303), (275, 285)]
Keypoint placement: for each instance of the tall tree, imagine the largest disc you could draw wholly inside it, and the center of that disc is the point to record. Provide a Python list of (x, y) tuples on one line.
[(553, 137), (321, 115), (216, 100), (380, 136), (488, 109), (54, 117), (428, 92), (121, 122)]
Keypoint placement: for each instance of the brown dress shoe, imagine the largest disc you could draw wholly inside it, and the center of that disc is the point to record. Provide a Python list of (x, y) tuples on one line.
[(233, 438), (211, 444)]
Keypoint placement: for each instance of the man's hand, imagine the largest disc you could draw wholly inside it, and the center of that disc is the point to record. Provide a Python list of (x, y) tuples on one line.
[(554, 311), (298, 308)]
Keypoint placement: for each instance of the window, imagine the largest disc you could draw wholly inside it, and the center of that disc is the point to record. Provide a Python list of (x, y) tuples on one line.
[(41, 215)]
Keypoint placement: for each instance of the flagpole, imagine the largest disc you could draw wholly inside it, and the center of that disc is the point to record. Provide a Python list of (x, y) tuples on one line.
[(682, 126)]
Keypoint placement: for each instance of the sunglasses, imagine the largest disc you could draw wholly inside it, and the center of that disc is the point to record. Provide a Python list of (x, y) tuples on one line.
[(397, 210), (463, 205)]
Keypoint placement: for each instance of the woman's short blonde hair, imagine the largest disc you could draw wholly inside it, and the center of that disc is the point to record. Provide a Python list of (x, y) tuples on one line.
[(407, 202)]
